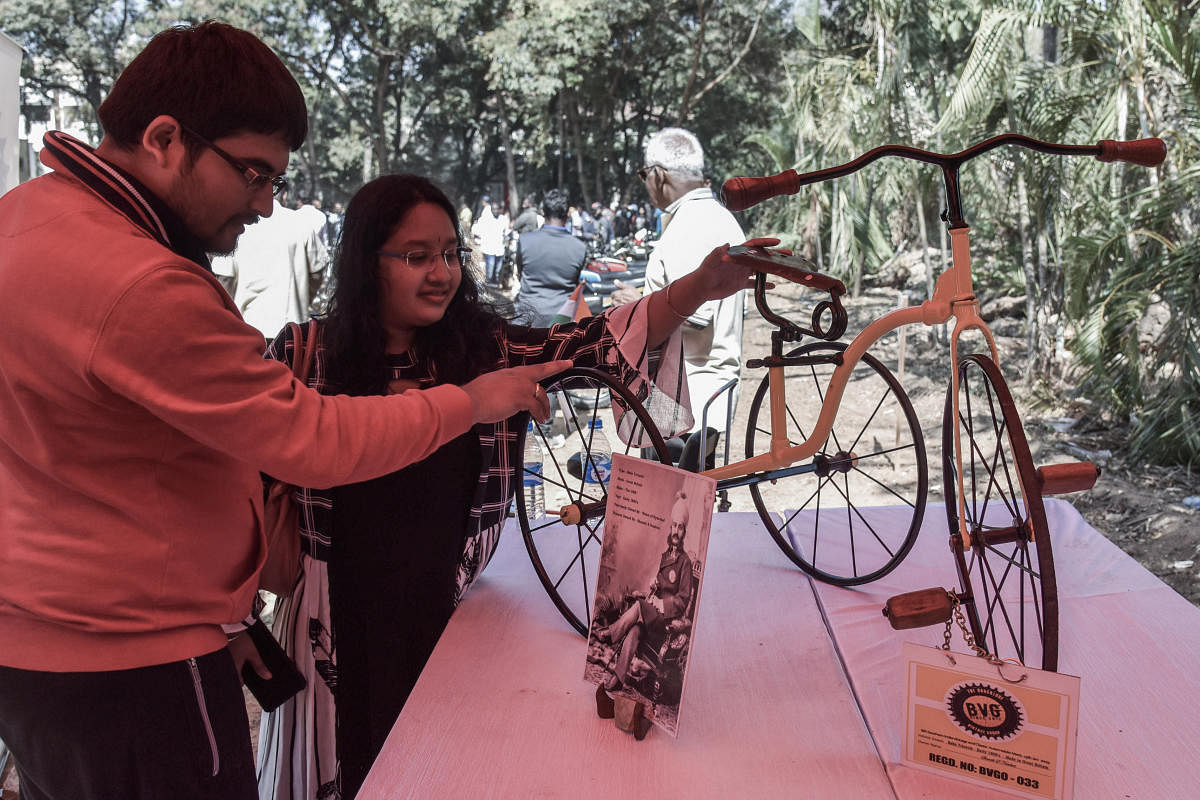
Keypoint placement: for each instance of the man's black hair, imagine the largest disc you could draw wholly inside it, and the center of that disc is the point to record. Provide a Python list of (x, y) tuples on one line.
[(214, 79), (554, 204)]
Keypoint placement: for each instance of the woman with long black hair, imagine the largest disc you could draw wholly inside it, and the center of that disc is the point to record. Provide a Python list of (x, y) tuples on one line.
[(385, 562)]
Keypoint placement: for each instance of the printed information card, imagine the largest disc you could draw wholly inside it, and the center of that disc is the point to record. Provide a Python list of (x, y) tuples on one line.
[(650, 574), (986, 725)]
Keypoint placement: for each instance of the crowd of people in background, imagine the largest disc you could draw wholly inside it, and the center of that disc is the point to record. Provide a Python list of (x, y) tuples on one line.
[(493, 235), (282, 269), (598, 226)]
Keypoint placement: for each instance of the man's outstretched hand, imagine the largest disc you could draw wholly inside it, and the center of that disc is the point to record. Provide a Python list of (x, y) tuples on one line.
[(500, 394)]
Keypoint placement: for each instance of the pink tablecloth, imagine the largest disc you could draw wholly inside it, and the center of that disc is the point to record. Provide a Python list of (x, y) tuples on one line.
[(1133, 640), (502, 709)]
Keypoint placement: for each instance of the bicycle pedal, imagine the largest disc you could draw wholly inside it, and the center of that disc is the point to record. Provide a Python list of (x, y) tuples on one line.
[(919, 609)]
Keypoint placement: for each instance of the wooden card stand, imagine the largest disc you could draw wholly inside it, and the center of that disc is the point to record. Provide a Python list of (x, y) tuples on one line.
[(628, 715)]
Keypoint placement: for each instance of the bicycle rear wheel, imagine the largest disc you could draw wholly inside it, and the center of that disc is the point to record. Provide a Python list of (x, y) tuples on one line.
[(835, 525), (566, 557), (1006, 569)]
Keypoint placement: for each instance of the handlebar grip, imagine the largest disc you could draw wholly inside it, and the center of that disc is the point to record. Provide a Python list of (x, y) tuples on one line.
[(1146, 152), (739, 194)]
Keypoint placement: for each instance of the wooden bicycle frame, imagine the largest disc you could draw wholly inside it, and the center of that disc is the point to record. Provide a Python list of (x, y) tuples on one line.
[(953, 296)]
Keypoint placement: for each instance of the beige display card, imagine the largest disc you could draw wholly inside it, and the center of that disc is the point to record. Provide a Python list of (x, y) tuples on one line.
[(968, 721)]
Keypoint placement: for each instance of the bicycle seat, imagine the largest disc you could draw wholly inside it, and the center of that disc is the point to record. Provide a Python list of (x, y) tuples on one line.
[(794, 268), (692, 459)]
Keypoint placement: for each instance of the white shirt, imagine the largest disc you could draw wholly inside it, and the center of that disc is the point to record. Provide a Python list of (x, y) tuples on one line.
[(316, 218), (712, 336), (489, 230), (269, 272)]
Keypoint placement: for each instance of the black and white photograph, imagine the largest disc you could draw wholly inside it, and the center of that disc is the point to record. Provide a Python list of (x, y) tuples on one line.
[(648, 586)]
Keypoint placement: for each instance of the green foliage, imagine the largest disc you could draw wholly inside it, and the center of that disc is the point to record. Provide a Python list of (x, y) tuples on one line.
[(73, 51), (518, 96)]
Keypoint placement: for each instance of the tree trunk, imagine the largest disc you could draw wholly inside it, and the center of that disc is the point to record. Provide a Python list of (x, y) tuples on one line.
[(835, 253), (378, 137), (815, 229), (312, 168), (577, 145), (923, 228), (510, 163), (1117, 170), (1029, 269), (1049, 43), (562, 142), (598, 172), (1047, 307)]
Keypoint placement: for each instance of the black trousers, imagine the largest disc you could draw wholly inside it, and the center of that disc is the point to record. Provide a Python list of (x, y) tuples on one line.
[(174, 731)]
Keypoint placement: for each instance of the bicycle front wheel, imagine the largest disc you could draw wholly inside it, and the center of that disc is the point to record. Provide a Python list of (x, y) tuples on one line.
[(853, 512), (1006, 568), (566, 557)]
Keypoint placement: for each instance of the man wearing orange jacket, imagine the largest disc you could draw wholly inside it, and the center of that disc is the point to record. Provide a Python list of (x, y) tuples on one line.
[(136, 413)]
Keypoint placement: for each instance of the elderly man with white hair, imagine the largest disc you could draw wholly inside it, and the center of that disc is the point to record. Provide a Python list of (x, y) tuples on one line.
[(694, 223)]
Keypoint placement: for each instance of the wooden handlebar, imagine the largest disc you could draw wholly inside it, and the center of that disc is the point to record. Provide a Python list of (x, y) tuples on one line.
[(1145, 152), (738, 194)]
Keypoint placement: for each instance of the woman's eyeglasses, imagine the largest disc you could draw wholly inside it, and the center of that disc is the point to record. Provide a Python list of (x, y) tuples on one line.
[(424, 259)]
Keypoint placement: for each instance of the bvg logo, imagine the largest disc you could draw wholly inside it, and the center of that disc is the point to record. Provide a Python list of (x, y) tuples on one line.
[(985, 711)]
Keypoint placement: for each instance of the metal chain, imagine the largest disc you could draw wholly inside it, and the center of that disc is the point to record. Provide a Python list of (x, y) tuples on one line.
[(968, 637)]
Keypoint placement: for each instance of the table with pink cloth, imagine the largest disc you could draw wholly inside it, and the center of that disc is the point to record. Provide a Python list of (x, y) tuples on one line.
[(794, 688), (1133, 640)]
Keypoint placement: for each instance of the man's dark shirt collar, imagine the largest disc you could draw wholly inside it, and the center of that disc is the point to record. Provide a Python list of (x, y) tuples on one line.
[(126, 195)]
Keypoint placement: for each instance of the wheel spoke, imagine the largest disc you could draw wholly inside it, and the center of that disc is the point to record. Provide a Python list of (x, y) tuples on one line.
[(870, 419), (566, 564), (792, 416), (583, 542), (1007, 577), (851, 506), (849, 525), (885, 487), (874, 409), (997, 602)]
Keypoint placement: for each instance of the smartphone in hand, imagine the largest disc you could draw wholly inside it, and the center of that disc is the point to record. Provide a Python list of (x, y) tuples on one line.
[(285, 681)]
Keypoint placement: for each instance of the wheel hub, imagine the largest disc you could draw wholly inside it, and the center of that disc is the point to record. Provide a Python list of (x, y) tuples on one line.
[(841, 462)]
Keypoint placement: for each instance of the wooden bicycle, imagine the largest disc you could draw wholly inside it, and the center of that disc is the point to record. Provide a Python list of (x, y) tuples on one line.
[(811, 480)]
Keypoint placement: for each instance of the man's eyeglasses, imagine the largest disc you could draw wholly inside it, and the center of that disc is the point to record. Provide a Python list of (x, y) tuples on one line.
[(255, 180), (644, 172), (424, 259)]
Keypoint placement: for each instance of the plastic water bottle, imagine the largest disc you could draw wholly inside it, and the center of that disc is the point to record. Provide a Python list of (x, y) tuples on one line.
[(534, 485), (598, 464)]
